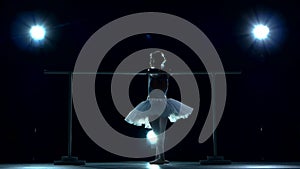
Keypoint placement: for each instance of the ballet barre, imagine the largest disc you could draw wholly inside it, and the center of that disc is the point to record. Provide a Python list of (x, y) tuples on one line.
[(138, 73), (69, 159)]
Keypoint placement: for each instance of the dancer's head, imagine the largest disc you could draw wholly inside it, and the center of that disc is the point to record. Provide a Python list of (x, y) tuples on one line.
[(157, 59)]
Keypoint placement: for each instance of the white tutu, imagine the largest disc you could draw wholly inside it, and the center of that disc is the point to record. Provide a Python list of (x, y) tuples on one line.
[(143, 113)]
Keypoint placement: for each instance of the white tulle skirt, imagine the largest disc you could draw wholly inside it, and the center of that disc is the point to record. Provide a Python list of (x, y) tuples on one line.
[(153, 108)]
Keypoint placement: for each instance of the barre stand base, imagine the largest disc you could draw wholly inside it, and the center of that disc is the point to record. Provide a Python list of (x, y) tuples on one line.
[(215, 160), (69, 160)]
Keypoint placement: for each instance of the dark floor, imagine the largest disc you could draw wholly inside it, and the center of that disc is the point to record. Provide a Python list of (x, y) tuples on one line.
[(145, 165)]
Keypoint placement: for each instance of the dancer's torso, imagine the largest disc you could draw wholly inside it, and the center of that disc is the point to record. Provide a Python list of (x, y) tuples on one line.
[(158, 79)]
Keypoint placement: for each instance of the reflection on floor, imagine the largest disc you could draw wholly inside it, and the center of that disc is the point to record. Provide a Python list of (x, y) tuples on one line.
[(146, 165)]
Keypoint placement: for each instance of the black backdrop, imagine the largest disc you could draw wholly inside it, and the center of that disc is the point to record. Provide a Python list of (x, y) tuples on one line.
[(260, 120)]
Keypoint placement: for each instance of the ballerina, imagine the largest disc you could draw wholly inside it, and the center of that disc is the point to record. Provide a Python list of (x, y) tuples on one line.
[(155, 111)]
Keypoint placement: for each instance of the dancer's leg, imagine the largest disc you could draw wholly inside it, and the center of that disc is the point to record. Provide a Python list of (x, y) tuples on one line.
[(162, 126), (156, 128), (159, 126)]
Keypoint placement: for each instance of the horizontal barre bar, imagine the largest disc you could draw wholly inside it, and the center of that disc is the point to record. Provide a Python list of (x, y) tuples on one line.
[(132, 73)]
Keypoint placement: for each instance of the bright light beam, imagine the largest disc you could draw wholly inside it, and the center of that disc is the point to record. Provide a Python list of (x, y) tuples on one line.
[(37, 32), (261, 32), (151, 136)]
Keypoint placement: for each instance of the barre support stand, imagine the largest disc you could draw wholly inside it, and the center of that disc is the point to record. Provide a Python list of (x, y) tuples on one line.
[(215, 159), (69, 159)]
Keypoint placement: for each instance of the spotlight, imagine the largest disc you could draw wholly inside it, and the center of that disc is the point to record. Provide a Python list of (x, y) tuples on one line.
[(261, 32), (37, 32), (151, 136)]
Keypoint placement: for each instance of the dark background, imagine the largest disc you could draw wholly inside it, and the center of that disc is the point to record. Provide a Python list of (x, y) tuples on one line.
[(260, 121)]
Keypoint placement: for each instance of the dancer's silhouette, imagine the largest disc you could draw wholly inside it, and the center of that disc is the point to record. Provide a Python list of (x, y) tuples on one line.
[(157, 109)]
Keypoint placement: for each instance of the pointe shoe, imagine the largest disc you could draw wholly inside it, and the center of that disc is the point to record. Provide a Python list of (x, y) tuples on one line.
[(157, 161), (166, 161)]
